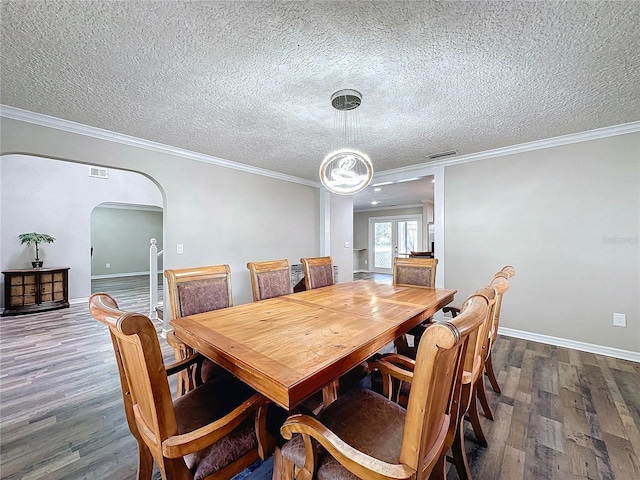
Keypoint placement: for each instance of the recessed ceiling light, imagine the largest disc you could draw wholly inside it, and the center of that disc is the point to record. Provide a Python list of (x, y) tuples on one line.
[(374, 202), (377, 189)]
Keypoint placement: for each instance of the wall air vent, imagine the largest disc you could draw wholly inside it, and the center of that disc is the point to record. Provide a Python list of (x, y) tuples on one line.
[(449, 153), (99, 172)]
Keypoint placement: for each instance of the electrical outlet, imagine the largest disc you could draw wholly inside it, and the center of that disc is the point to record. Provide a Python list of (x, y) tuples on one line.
[(108, 265), (179, 249), (366, 262), (619, 320)]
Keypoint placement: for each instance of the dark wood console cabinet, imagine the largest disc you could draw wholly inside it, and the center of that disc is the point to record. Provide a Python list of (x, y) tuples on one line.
[(35, 290)]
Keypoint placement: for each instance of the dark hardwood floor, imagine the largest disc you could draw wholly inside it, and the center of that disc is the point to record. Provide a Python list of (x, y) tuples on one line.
[(562, 413)]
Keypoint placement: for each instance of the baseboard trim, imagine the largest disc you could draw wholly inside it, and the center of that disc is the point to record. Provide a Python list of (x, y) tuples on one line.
[(116, 275), (77, 301), (574, 344)]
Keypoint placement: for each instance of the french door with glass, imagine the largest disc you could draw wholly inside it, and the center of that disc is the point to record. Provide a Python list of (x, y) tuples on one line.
[(391, 237)]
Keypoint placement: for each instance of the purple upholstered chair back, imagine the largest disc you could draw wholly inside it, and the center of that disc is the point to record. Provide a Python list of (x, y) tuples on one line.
[(270, 279), (318, 272)]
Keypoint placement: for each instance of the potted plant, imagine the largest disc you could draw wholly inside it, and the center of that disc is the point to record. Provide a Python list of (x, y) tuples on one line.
[(36, 239)]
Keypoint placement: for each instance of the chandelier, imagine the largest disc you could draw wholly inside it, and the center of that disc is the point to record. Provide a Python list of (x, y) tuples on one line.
[(346, 170)]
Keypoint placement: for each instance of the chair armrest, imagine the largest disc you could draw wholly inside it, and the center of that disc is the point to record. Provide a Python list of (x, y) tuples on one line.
[(358, 463), (177, 446), (454, 311), (176, 367), (398, 366), (394, 369)]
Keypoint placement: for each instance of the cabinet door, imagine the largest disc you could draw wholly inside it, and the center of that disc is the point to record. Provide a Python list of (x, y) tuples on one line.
[(23, 290), (58, 286)]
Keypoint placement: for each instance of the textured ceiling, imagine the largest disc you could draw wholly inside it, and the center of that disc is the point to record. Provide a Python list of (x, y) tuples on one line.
[(250, 82)]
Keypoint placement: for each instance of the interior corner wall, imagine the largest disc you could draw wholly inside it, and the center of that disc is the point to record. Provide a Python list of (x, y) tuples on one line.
[(219, 214), (567, 218)]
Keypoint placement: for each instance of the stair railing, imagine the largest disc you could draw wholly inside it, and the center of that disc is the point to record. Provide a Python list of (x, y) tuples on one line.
[(153, 278)]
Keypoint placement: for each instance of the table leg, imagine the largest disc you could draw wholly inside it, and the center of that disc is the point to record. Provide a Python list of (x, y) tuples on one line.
[(329, 394)]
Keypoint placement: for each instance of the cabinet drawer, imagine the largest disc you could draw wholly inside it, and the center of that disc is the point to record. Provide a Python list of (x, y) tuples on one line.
[(23, 280), (46, 278), (23, 290), (22, 300)]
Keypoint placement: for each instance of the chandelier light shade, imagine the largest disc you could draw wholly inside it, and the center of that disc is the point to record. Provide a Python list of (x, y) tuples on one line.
[(347, 170)]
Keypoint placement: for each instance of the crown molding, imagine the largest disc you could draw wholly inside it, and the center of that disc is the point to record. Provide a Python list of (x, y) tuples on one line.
[(394, 207), (129, 206), (101, 134), (422, 168), (412, 170)]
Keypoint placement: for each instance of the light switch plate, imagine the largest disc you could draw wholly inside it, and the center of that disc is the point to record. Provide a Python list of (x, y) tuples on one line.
[(179, 249)]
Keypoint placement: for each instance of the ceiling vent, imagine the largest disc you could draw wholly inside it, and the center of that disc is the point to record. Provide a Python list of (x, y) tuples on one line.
[(449, 153), (99, 172)]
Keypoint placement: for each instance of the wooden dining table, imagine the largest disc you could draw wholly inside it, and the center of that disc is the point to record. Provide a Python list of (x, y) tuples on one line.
[(290, 347)]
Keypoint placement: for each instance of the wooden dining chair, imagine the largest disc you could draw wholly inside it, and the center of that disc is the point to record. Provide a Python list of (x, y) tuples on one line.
[(507, 272), (270, 279), (367, 435), (192, 291), (212, 432), (473, 368), (501, 285), (414, 271), (418, 271), (318, 272)]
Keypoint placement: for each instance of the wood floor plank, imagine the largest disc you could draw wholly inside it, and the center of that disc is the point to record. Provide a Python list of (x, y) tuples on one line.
[(512, 467)]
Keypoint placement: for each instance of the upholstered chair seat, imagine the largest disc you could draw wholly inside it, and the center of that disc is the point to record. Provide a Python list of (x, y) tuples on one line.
[(365, 420), (206, 404)]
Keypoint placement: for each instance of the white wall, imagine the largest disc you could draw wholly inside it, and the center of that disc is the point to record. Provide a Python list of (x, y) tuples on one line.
[(220, 215), (341, 207), (57, 198), (567, 219)]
